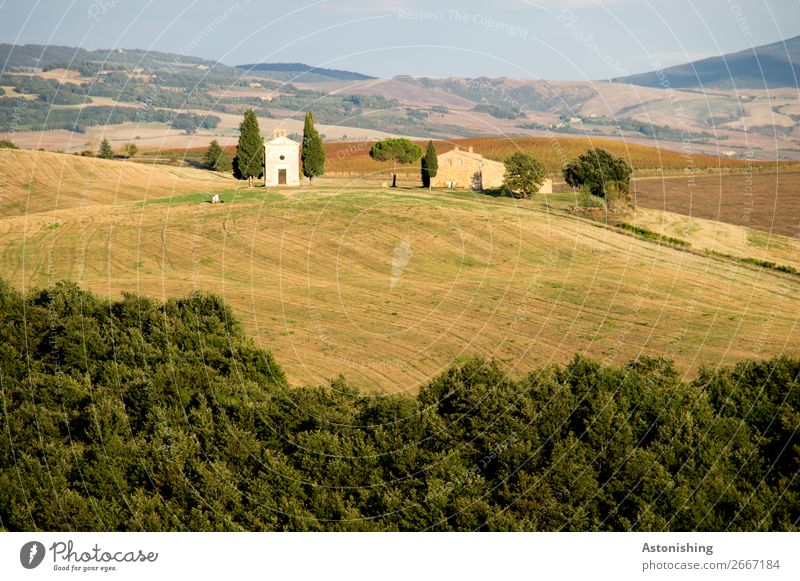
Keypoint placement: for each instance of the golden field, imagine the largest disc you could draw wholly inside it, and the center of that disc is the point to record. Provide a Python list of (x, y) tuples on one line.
[(389, 287)]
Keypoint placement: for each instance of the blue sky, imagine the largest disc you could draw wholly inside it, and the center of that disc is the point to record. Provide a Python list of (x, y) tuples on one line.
[(566, 39)]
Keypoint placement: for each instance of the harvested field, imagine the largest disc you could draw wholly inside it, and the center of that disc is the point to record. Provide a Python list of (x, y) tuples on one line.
[(767, 201), (386, 286)]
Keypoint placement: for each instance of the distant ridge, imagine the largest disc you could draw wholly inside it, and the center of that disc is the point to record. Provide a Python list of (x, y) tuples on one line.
[(768, 66), (300, 72), (17, 56)]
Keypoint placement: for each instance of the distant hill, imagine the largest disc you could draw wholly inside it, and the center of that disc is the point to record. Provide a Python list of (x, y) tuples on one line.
[(92, 89), (302, 73), (768, 66), (30, 56)]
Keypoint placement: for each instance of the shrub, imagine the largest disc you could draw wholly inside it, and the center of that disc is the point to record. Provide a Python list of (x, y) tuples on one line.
[(130, 150), (771, 265), (650, 235), (587, 201)]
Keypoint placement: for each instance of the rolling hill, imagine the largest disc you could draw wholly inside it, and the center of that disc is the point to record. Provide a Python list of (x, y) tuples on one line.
[(310, 271), (762, 67), (36, 182)]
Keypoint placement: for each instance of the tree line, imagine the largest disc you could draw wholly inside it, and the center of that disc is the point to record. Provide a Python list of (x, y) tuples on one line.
[(133, 414)]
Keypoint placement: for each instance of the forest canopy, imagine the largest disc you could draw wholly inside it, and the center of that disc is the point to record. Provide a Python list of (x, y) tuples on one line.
[(136, 415)]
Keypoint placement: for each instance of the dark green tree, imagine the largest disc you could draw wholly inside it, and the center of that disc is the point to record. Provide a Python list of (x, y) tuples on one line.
[(212, 154), (524, 175), (217, 158), (105, 150), (398, 151), (603, 174), (250, 149), (429, 165), (313, 151)]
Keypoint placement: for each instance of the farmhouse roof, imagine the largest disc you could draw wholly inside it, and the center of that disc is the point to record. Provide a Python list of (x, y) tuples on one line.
[(466, 153)]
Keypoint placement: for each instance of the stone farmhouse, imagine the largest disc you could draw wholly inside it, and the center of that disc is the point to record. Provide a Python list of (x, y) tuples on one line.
[(462, 169), (281, 160)]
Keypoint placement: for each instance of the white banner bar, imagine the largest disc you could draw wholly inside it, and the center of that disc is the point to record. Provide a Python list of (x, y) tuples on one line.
[(399, 556)]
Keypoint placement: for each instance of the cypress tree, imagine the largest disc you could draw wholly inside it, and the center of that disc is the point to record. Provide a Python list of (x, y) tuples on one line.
[(313, 152), (430, 165), (250, 149)]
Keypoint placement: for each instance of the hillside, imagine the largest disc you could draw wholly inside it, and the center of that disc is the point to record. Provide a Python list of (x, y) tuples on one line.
[(314, 273), (50, 56), (769, 66), (301, 73), (35, 182), (762, 124), (68, 98)]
